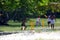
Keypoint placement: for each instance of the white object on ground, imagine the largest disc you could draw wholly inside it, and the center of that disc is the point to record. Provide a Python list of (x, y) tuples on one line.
[(32, 36)]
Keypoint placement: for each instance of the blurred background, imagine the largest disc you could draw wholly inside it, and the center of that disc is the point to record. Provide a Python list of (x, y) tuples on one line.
[(12, 12)]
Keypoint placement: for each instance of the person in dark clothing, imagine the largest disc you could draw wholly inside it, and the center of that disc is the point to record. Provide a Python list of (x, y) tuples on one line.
[(48, 20), (23, 24)]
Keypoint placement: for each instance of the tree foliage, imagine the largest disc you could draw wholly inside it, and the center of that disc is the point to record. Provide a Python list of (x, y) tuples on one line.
[(30, 7)]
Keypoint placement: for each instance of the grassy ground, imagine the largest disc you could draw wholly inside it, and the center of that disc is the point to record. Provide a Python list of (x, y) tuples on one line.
[(15, 26)]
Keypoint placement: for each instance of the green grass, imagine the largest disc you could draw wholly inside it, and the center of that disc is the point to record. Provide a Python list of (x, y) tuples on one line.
[(8, 28), (16, 26)]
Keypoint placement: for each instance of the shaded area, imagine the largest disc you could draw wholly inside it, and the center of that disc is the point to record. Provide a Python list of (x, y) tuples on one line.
[(7, 33), (14, 25), (3, 33)]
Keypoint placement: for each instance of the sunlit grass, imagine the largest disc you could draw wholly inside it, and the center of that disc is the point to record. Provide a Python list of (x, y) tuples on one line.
[(16, 26)]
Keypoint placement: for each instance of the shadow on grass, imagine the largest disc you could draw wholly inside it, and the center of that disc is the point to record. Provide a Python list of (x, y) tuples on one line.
[(10, 25), (20, 25), (14, 25)]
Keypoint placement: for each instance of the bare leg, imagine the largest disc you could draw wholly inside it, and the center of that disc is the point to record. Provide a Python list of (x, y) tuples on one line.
[(23, 28), (52, 26), (48, 25)]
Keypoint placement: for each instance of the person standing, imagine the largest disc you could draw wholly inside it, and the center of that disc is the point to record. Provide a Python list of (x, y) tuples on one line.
[(38, 21), (52, 21), (48, 20), (23, 24)]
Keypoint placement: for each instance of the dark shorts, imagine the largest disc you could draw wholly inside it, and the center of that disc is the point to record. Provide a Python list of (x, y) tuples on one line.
[(23, 25), (49, 22)]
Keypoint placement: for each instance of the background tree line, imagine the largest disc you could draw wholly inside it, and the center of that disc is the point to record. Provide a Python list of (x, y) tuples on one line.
[(17, 9)]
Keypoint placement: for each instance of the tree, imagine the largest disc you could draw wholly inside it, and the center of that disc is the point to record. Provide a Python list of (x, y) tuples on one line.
[(28, 8), (7, 6)]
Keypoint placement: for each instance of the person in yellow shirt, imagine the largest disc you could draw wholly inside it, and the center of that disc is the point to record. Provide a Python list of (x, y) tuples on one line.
[(32, 25)]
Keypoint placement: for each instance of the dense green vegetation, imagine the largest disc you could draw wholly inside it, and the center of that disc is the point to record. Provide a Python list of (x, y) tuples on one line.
[(19, 9), (30, 6)]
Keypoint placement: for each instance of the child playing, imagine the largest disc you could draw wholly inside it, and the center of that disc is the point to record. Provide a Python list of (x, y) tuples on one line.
[(49, 20), (52, 21), (38, 21), (32, 25), (23, 24)]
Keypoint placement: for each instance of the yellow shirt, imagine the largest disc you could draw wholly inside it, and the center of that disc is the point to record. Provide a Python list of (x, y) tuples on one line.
[(32, 25)]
